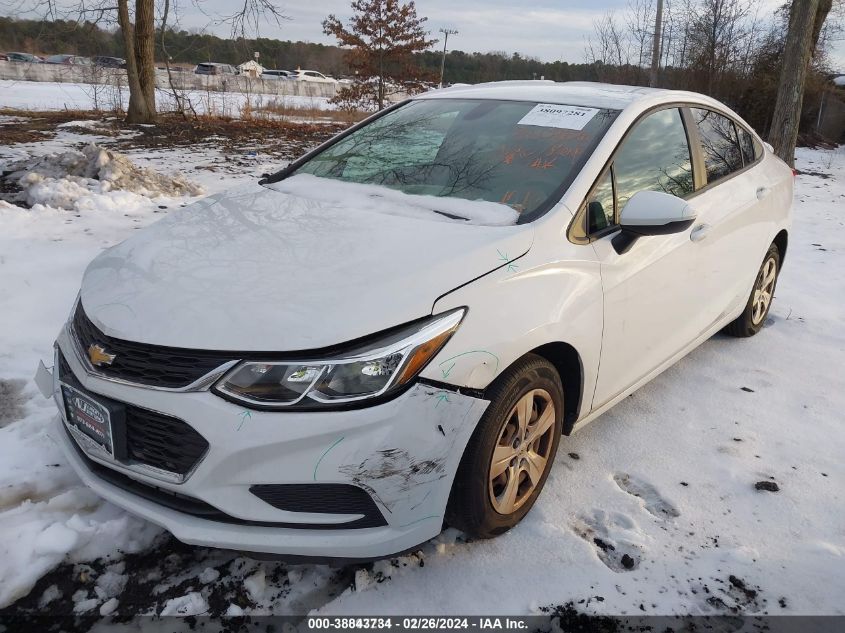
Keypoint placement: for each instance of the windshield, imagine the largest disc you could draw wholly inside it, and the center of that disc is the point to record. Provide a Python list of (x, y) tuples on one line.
[(518, 153)]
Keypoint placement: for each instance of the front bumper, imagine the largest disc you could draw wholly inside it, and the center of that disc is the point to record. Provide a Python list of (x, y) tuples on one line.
[(403, 453)]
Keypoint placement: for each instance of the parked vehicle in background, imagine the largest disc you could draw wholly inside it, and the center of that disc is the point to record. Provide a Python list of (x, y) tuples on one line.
[(276, 74), (214, 68), (68, 60), (104, 61), (312, 75), (22, 57), (395, 330)]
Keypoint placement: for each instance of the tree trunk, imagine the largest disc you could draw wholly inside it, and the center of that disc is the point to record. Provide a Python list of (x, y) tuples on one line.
[(821, 15), (137, 111), (145, 53), (796, 59)]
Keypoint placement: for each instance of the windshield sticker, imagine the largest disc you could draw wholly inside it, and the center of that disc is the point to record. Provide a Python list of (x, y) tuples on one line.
[(559, 116)]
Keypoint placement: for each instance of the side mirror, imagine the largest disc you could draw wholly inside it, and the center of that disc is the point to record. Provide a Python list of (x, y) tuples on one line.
[(652, 213)]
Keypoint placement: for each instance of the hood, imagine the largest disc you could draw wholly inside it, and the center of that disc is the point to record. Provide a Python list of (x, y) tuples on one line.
[(255, 269)]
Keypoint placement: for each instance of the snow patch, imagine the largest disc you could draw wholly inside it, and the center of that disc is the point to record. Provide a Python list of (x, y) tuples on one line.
[(64, 180), (190, 604), (109, 607), (256, 585), (208, 575)]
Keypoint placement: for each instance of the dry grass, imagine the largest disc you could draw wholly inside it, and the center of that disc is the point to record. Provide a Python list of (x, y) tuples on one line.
[(287, 112), (286, 139)]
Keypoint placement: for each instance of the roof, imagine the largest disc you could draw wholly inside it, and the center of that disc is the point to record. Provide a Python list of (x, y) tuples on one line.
[(579, 93)]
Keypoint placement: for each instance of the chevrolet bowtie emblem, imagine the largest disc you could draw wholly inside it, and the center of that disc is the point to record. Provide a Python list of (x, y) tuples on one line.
[(98, 355)]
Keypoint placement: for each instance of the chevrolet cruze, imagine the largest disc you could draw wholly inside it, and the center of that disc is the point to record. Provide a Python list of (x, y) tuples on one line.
[(393, 333)]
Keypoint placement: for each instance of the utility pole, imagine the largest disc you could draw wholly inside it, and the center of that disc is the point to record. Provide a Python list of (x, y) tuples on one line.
[(655, 52), (446, 33)]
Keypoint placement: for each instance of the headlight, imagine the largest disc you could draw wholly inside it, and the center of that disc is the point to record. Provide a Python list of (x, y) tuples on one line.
[(370, 371)]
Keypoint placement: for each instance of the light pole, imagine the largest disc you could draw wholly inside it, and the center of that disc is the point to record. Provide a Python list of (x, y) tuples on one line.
[(446, 33), (655, 53)]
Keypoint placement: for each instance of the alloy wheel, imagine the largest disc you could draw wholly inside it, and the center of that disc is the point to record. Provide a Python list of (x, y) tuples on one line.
[(764, 290), (522, 451)]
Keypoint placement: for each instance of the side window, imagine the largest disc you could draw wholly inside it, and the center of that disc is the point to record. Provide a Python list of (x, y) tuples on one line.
[(600, 213), (722, 151), (654, 157)]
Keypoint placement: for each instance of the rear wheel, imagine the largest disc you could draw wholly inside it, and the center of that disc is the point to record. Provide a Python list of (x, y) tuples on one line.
[(509, 456), (757, 309)]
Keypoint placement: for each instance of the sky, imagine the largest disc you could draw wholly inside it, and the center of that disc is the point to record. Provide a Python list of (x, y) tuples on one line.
[(547, 29)]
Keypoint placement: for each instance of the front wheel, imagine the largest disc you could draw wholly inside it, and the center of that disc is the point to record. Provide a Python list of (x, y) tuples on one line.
[(510, 454), (757, 309)]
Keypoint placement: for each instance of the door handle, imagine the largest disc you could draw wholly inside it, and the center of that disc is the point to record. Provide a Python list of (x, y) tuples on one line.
[(762, 192), (700, 232)]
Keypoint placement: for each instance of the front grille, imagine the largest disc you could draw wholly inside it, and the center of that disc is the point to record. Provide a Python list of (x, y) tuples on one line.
[(153, 438), (152, 365), (323, 499), (162, 441)]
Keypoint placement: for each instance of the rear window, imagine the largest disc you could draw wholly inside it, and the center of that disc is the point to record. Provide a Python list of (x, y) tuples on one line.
[(521, 154)]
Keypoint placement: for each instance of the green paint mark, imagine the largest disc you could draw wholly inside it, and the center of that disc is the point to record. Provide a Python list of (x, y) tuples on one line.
[(447, 371), (442, 396), (512, 268), (244, 415), (432, 516), (326, 452), (475, 351)]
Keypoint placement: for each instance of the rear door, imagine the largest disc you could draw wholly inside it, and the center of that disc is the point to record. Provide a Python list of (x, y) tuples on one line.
[(730, 231)]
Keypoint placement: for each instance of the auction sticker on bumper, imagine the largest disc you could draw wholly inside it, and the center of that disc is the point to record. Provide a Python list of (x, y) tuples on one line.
[(89, 416)]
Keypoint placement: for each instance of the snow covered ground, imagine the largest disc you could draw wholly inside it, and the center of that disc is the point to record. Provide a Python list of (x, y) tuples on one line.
[(652, 509), (47, 95)]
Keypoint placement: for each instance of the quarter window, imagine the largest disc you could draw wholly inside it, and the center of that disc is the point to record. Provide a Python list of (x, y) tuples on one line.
[(751, 148), (654, 157), (600, 213), (722, 151)]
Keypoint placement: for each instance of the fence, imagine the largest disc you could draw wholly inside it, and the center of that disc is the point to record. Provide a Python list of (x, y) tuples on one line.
[(182, 80), (831, 121)]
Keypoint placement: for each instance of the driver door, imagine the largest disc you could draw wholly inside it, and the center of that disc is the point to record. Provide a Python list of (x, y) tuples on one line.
[(653, 306)]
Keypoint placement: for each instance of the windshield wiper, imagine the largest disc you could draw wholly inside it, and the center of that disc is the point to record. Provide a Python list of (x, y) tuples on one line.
[(451, 215)]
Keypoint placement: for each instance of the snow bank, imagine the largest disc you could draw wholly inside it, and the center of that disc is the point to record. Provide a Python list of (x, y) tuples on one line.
[(394, 202), (48, 516), (66, 180)]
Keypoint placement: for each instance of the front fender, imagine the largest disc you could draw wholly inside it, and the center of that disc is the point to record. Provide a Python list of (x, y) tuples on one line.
[(517, 309)]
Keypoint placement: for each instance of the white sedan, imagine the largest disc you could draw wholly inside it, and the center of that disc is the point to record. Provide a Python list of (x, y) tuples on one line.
[(394, 332)]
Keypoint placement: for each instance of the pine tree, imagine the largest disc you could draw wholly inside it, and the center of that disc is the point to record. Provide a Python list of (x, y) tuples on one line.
[(382, 38)]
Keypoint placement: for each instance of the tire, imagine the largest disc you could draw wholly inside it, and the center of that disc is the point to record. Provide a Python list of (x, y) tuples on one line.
[(480, 505), (754, 316)]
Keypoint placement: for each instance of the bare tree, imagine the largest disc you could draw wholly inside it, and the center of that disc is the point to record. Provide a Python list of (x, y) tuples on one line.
[(608, 49), (806, 18), (718, 32), (138, 30)]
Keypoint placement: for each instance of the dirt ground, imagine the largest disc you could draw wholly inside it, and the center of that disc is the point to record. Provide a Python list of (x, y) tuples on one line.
[(282, 139)]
